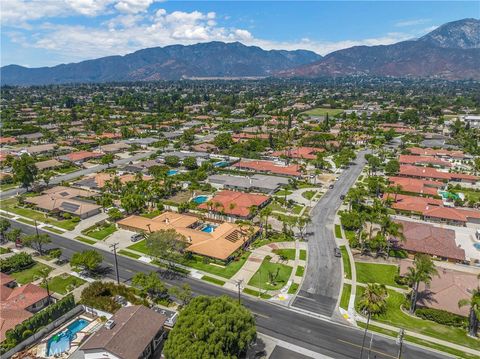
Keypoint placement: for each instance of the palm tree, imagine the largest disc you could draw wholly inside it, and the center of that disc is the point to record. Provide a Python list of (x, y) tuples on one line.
[(372, 301), (474, 315), (44, 273), (422, 271), (265, 213)]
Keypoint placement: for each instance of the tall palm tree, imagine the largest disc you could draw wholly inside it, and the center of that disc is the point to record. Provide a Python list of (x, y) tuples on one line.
[(422, 271), (474, 315), (265, 213), (372, 301)]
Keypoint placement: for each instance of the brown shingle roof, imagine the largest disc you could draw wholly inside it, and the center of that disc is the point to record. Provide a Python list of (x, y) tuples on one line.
[(134, 329)]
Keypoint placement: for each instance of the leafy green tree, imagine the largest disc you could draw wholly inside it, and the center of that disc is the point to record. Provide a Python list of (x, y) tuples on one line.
[(166, 245), (107, 159), (392, 167), (114, 214), (211, 327), (422, 271), (37, 242), (183, 293), (47, 176), (150, 284), (88, 260), (223, 140), (132, 202), (14, 235), (190, 163), (4, 227), (474, 313), (372, 301), (172, 161), (24, 170)]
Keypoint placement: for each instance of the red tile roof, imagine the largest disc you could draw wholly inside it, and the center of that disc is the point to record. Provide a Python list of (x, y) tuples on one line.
[(423, 172), (82, 155), (428, 239), (241, 202), (436, 153), (423, 160), (308, 153), (269, 166), (414, 185), (7, 140), (247, 136)]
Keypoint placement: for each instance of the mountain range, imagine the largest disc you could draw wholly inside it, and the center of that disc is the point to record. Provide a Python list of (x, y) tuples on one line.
[(452, 51)]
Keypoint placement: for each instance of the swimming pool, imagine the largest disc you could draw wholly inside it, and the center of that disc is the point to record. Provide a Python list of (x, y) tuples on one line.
[(60, 342), (477, 246), (221, 164), (200, 199), (208, 228), (172, 172)]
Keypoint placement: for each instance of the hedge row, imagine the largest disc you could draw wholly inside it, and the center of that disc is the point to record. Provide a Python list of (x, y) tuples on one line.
[(442, 317), (16, 263)]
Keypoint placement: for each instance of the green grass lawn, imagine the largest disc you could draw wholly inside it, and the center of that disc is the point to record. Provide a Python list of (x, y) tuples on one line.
[(4, 250), (64, 283), (85, 240), (30, 274), (293, 288), (283, 192), (396, 317), (129, 254), (261, 278), (346, 263), (287, 253), (295, 209), (213, 280), (197, 262), (377, 273), (345, 299), (7, 186), (350, 235), (309, 194), (54, 230), (322, 111), (303, 255), (27, 221), (100, 232), (10, 205), (338, 231), (300, 271), (68, 169), (257, 293)]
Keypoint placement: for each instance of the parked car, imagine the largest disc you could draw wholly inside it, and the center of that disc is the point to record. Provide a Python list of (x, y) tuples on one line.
[(331, 186), (136, 237), (342, 197), (337, 252)]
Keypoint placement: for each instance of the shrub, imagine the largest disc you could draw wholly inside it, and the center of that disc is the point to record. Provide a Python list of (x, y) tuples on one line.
[(398, 253), (16, 263), (75, 219), (66, 215), (442, 317), (400, 280), (100, 295)]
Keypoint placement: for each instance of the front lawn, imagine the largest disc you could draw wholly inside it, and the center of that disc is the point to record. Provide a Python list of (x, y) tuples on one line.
[(345, 299), (347, 269), (396, 317), (10, 205), (309, 194), (285, 253), (303, 255), (283, 192), (300, 271), (295, 209), (64, 283), (100, 232), (338, 231), (280, 273), (377, 273), (293, 288), (30, 274)]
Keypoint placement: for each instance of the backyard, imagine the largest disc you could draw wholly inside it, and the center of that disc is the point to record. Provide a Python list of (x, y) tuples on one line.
[(271, 276)]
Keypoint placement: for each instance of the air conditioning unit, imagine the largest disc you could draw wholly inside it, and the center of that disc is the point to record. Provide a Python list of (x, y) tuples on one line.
[(109, 324)]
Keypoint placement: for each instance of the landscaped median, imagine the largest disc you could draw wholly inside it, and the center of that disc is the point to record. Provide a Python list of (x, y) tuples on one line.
[(347, 269)]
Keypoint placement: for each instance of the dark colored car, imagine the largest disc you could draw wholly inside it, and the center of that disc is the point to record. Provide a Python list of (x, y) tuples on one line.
[(337, 252), (342, 197), (331, 186)]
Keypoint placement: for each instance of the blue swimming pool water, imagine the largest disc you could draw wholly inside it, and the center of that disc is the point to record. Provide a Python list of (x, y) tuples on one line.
[(172, 172), (477, 246), (60, 342), (200, 199), (208, 228), (221, 164)]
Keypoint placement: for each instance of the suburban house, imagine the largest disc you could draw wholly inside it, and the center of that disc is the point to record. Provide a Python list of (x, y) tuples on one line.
[(133, 332), (428, 239), (81, 156), (98, 180), (445, 289), (214, 240), (433, 174), (416, 186), (269, 167), (423, 161), (254, 183), (305, 153), (441, 153), (66, 200), (48, 164), (235, 204), (114, 147), (8, 141), (18, 303)]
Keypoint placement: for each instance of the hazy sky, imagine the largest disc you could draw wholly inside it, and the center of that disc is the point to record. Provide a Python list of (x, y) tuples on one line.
[(49, 32)]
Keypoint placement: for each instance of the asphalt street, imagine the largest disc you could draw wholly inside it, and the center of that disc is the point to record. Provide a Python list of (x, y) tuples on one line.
[(323, 276), (321, 336), (83, 172)]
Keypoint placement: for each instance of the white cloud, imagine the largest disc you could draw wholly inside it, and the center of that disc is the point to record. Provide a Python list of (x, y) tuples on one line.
[(133, 6), (412, 22)]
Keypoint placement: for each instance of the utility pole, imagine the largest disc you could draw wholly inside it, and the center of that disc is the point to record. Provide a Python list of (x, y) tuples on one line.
[(238, 283), (36, 227), (399, 340), (114, 246)]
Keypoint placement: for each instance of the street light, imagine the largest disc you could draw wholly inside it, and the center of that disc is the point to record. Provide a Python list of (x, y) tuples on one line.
[(399, 341), (114, 246), (238, 283)]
